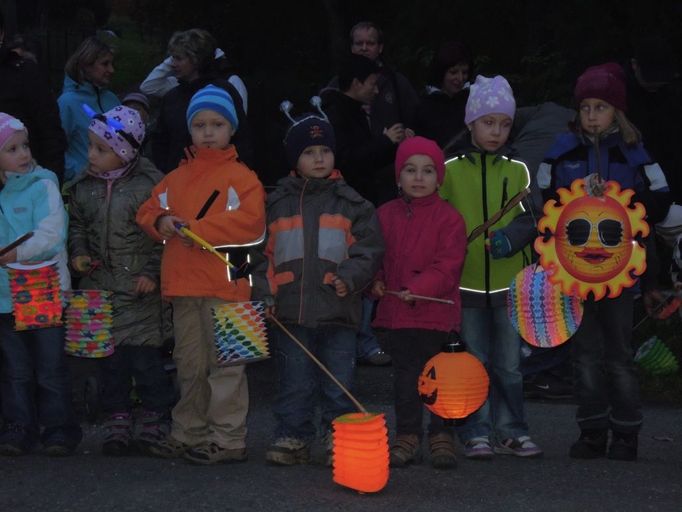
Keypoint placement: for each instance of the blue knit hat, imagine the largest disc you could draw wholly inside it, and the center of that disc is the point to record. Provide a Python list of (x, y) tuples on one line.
[(215, 99)]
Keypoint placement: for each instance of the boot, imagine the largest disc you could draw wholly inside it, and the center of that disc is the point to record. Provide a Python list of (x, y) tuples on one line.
[(406, 450), (623, 446), (442, 447), (590, 445)]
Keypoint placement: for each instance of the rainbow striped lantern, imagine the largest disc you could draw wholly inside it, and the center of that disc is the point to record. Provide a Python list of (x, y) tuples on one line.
[(539, 311), (655, 358), (36, 295), (89, 320), (240, 335), (360, 453)]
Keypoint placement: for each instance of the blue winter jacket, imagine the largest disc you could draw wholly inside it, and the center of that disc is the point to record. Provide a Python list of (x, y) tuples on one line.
[(75, 121), (32, 202)]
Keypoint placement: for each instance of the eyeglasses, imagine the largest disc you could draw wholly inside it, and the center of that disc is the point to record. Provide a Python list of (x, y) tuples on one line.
[(610, 232)]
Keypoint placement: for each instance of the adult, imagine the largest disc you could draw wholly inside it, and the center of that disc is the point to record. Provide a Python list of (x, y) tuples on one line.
[(440, 113), (192, 60), (24, 94), (88, 73)]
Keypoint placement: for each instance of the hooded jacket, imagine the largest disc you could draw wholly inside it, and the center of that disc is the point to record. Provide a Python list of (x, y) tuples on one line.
[(75, 121), (31, 202)]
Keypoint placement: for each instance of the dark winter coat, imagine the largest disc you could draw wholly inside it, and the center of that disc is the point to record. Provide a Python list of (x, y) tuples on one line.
[(440, 117)]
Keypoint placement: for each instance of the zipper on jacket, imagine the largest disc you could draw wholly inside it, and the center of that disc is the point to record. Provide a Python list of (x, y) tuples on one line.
[(504, 192), (300, 212), (484, 192)]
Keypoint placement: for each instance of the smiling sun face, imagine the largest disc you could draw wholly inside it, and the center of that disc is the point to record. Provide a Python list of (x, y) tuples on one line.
[(591, 246)]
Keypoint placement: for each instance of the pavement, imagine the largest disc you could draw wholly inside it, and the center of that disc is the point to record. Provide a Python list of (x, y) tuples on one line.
[(91, 482)]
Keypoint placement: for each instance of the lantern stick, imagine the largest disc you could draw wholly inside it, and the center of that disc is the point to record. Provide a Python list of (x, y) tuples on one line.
[(479, 230), (422, 297), (203, 243), (16, 243), (319, 363)]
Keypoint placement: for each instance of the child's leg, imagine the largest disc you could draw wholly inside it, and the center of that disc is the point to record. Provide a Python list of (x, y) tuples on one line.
[(404, 349), (115, 380)]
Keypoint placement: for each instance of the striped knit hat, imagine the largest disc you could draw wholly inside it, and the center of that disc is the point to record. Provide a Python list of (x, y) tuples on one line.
[(215, 99)]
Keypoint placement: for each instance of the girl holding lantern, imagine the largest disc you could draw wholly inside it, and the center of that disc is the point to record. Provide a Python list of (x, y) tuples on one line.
[(603, 146), (425, 243)]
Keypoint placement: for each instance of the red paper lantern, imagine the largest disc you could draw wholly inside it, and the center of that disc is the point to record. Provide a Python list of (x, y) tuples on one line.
[(454, 383), (361, 451)]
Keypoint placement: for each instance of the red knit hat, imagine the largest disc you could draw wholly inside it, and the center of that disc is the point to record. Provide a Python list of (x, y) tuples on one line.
[(420, 146), (605, 82)]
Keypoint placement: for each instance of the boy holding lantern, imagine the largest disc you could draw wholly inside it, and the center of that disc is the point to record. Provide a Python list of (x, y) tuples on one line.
[(324, 245)]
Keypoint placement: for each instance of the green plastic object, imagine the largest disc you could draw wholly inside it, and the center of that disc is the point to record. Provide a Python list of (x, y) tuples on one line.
[(655, 358)]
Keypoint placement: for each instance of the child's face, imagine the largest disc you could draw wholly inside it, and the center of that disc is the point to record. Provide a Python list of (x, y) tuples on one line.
[(315, 162), (455, 78), (100, 156), (596, 115), (418, 177), (491, 131), (15, 155), (210, 130)]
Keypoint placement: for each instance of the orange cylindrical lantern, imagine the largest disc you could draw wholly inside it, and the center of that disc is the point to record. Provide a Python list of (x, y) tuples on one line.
[(361, 451), (454, 383)]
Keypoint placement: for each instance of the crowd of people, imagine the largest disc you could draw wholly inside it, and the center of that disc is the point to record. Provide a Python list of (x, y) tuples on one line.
[(380, 191)]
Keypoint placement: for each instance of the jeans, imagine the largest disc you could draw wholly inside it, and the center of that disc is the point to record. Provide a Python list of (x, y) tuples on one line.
[(302, 384), (545, 359), (35, 382), (367, 343), (606, 385), (489, 335), (144, 364), (410, 349)]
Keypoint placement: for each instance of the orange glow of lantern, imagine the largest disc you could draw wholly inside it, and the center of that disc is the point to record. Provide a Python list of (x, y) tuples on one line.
[(361, 451), (454, 383)]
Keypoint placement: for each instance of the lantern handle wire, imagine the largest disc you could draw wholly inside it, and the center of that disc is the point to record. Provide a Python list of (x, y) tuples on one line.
[(319, 363), (479, 230), (422, 297)]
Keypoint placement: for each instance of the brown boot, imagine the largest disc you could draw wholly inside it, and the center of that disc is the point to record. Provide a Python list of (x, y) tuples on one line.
[(406, 450), (442, 447)]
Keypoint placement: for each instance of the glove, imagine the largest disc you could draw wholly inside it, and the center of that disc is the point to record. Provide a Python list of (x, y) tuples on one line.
[(500, 246), (81, 263)]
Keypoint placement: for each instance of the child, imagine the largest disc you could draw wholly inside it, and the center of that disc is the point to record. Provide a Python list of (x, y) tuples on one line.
[(221, 200), (324, 245), (479, 183), (112, 253), (35, 381), (425, 246), (606, 385)]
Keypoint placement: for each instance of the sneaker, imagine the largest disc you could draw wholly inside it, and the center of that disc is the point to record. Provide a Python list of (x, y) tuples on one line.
[(211, 453), (478, 448), (547, 386), (167, 448), (288, 451), (590, 445), (58, 445), (118, 427), (14, 440), (521, 447), (379, 358), (153, 430), (623, 446), (406, 449), (442, 448)]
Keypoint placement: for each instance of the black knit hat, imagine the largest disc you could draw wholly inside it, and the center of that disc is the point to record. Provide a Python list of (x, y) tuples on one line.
[(310, 129)]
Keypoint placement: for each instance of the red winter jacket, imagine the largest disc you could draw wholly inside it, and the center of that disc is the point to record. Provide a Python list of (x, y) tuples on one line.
[(425, 246)]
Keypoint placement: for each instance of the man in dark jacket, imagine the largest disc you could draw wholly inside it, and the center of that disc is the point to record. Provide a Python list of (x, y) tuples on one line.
[(24, 94)]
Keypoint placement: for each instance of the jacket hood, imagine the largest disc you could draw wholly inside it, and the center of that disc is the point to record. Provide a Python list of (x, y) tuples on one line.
[(295, 184)]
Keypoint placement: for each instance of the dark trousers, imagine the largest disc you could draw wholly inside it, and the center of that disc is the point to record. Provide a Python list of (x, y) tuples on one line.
[(35, 382), (145, 365), (606, 385), (410, 349)]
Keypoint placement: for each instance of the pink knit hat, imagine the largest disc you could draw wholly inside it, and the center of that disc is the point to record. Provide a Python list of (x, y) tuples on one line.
[(420, 146), (122, 129), (604, 82), (8, 126), (489, 96)]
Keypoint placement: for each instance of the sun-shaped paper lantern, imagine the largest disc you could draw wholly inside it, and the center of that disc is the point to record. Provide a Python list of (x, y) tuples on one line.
[(589, 242), (454, 383)]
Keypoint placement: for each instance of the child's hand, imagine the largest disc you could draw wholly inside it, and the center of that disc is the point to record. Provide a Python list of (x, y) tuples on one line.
[(166, 226), (395, 133), (81, 263), (270, 312), (144, 285), (9, 257), (378, 288), (498, 245), (405, 295), (339, 286)]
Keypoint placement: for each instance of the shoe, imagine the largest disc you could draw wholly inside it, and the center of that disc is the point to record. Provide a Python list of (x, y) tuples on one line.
[(478, 448), (288, 451), (521, 447), (167, 448), (406, 450), (211, 453), (118, 427), (59, 446), (547, 386), (14, 440), (590, 445), (623, 446), (153, 430), (442, 448), (379, 358)]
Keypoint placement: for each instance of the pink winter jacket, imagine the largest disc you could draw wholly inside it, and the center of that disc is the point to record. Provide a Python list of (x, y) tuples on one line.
[(425, 248)]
